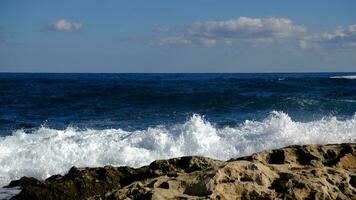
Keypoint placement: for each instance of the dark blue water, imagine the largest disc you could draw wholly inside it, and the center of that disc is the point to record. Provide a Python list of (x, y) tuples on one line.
[(137, 101)]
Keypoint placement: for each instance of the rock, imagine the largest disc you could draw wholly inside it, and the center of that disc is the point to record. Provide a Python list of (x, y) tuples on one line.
[(294, 172)]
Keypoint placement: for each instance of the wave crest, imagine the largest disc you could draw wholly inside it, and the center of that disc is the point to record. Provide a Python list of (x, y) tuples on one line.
[(46, 152), (344, 77)]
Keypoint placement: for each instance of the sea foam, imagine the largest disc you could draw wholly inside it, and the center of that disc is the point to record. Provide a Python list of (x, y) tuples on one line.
[(344, 77), (45, 152)]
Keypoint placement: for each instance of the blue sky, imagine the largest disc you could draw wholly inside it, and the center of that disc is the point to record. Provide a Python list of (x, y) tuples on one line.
[(177, 36)]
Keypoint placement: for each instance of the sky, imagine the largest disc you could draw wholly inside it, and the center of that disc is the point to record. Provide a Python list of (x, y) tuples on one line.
[(177, 36)]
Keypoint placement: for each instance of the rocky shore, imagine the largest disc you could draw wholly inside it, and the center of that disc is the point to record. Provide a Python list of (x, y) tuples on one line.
[(294, 172)]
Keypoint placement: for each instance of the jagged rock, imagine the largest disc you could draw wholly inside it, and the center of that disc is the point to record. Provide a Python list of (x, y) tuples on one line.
[(295, 172)]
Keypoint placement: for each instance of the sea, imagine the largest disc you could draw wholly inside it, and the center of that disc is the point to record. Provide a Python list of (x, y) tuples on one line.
[(51, 122)]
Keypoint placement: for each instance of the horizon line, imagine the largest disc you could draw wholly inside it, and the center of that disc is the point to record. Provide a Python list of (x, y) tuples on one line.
[(276, 72)]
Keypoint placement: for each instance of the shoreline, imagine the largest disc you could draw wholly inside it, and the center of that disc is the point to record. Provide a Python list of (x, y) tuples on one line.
[(297, 172)]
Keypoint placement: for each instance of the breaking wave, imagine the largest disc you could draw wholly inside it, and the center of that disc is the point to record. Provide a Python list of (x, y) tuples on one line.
[(45, 152), (345, 77)]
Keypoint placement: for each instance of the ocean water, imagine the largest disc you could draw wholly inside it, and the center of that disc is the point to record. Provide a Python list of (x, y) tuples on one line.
[(50, 122)]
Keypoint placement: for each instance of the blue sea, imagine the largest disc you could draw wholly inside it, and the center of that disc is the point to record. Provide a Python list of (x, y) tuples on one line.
[(50, 122)]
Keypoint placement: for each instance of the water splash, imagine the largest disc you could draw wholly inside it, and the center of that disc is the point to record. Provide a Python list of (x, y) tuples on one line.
[(45, 152)]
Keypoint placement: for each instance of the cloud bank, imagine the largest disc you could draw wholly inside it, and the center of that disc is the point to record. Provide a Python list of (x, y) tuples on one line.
[(340, 37), (64, 25), (241, 29), (256, 32)]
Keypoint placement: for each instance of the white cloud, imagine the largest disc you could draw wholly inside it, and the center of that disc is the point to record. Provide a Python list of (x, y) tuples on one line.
[(174, 40), (245, 29), (207, 41), (162, 29), (64, 25), (340, 37), (303, 44), (182, 40), (255, 32)]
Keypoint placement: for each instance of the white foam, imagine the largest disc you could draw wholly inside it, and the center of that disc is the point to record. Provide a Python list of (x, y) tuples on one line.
[(344, 77), (46, 151), (7, 193)]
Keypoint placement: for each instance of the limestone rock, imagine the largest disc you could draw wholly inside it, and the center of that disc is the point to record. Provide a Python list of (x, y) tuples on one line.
[(294, 172)]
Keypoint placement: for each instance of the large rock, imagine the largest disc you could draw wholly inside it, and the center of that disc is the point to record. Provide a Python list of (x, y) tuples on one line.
[(295, 172)]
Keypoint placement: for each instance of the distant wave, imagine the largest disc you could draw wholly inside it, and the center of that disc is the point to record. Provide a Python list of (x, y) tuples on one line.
[(45, 152), (344, 77)]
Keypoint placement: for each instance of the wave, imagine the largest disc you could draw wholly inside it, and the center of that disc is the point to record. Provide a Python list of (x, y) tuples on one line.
[(344, 77), (45, 151)]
